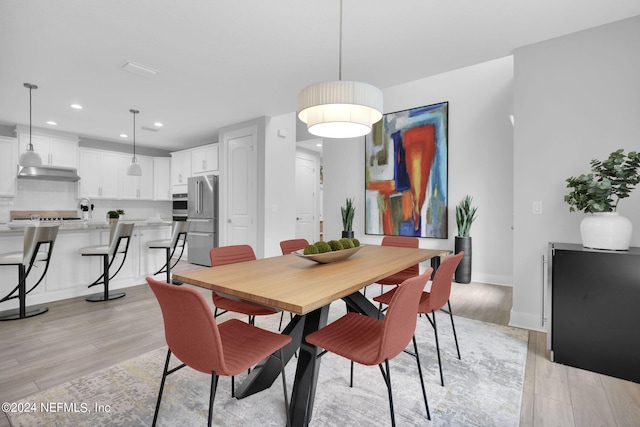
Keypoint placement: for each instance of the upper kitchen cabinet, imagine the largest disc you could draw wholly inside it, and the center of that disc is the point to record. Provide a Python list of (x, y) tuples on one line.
[(136, 187), (8, 166), (204, 160), (98, 172), (53, 150), (180, 170), (162, 178)]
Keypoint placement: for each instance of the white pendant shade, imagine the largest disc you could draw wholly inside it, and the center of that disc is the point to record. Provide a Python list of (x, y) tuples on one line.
[(29, 158), (134, 168), (340, 109)]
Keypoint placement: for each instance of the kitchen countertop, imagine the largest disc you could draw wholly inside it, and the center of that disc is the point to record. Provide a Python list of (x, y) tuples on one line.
[(80, 225)]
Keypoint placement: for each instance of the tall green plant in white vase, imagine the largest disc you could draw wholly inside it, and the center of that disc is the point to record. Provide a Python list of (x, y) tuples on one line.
[(465, 215)]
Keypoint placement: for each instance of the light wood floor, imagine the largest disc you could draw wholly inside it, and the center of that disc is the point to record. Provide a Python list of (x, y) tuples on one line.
[(77, 337)]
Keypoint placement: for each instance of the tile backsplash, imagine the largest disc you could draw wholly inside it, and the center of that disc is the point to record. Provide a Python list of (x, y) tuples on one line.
[(59, 195)]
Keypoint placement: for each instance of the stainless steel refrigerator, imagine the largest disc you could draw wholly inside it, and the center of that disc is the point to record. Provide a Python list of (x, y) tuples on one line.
[(203, 215)]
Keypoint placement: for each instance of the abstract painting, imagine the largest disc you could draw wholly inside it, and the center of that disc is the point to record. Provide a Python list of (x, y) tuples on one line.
[(406, 173)]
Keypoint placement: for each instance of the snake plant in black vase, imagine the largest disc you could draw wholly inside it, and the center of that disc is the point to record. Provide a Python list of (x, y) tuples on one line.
[(348, 212), (465, 215)]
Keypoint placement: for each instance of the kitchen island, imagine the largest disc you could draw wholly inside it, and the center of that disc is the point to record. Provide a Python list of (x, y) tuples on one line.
[(70, 273)]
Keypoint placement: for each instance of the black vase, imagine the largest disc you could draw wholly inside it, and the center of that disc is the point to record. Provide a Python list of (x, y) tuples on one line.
[(463, 272), (348, 234)]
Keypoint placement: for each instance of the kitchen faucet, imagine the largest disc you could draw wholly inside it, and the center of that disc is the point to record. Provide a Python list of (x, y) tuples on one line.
[(86, 206)]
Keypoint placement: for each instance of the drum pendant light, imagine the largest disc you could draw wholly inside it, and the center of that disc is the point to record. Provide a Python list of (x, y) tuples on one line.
[(340, 109), (134, 168), (29, 157)]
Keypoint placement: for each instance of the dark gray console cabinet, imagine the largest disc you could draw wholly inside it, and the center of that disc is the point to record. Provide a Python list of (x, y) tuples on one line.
[(595, 297)]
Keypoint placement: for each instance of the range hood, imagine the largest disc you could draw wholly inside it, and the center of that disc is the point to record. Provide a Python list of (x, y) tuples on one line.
[(48, 173)]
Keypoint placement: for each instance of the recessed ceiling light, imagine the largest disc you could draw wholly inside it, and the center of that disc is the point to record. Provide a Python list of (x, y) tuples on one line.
[(158, 124), (52, 123), (319, 145), (124, 135), (76, 106)]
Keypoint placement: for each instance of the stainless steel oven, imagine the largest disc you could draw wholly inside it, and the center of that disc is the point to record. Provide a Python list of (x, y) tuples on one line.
[(180, 206)]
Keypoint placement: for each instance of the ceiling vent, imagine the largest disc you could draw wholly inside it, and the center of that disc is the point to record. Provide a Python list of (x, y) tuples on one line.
[(139, 70), (150, 129)]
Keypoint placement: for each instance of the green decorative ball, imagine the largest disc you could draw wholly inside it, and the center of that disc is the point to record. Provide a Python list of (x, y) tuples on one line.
[(310, 250), (355, 242), (322, 247), (346, 243), (335, 245)]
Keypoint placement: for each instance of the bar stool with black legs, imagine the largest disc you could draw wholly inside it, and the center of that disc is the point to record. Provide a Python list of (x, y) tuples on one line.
[(38, 247), (178, 240), (118, 245)]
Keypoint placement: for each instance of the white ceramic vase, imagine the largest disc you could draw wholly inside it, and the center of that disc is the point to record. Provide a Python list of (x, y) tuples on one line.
[(606, 230)]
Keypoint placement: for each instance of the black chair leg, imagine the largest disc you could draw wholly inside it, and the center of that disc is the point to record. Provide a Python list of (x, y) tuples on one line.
[(351, 376), (284, 387), (455, 336), (387, 380), (168, 256), (424, 391), (435, 332), (212, 396), (164, 377)]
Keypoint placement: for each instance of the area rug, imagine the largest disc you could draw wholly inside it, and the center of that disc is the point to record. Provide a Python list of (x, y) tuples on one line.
[(482, 389)]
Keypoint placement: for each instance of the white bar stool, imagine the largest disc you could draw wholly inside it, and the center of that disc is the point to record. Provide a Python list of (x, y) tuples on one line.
[(118, 244), (178, 239), (34, 239)]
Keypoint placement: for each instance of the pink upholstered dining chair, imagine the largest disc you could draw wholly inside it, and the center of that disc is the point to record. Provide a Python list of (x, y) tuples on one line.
[(288, 246), (292, 245), (194, 337), (399, 277), (369, 341), (435, 299), (231, 255)]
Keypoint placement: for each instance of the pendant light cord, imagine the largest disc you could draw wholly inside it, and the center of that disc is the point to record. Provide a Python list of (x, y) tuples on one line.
[(134, 112), (30, 144), (134, 137), (340, 50)]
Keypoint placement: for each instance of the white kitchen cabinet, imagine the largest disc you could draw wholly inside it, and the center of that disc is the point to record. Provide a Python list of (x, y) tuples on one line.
[(135, 187), (98, 172), (180, 170), (162, 178), (204, 160), (54, 151), (8, 166)]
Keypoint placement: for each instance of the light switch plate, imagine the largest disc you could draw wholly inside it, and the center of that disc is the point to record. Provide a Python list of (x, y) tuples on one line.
[(536, 208)]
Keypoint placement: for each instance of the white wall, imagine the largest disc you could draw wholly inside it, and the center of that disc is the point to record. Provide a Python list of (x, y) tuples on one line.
[(480, 162), (279, 182), (576, 98)]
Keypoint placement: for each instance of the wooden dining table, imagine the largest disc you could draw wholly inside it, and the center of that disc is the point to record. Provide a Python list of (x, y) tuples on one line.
[(306, 288)]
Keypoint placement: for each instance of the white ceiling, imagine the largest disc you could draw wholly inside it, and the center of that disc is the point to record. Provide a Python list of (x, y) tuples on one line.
[(224, 61)]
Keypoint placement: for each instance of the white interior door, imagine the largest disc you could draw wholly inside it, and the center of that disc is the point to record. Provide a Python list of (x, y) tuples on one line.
[(241, 227), (306, 195)]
